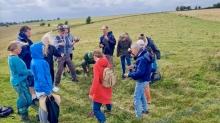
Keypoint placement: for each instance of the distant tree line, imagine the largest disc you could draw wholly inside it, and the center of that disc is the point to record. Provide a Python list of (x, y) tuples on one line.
[(187, 8), (28, 21)]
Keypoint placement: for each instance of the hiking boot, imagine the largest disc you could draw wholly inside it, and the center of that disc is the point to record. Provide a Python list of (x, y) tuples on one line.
[(75, 80), (25, 118), (145, 112), (37, 117), (35, 101), (55, 89), (107, 111)]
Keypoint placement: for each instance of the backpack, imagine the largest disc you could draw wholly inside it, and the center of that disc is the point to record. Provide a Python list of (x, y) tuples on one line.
[(5, 111), (156, 76), (53, 109), (109, 78)]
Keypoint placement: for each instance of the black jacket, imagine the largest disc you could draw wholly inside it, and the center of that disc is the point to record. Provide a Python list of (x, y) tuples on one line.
[(123, 46), (109, 45), (153, 46), (52, 51)]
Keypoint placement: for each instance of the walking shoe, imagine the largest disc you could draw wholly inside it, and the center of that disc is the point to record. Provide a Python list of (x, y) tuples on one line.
[(55, 89), (145, 112), (75, 80)]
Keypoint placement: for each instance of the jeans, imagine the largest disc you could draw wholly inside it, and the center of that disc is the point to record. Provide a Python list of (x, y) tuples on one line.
[(24, 97), (98, 113), (43, 116), (140, 103), (71, 66), (127, 59)]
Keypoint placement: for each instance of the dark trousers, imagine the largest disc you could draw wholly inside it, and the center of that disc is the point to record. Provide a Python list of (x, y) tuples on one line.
[(71, 57), (52, 73), (98, 113), (125, 59), (71, 66)]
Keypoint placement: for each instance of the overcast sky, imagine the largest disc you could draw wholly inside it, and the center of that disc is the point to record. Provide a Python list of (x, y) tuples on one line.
[(21, 10)]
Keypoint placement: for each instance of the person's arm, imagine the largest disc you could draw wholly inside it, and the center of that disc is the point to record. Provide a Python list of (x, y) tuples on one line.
[(112, 39), (139, 71), (101, 45), (95, 82), (118, 48), (55, 52), (154, 48)]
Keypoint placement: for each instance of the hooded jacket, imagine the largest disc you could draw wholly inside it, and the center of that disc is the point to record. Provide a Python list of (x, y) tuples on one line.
[(142, 66), (25, 54), (109, 45), (40, 69), (98, 92)]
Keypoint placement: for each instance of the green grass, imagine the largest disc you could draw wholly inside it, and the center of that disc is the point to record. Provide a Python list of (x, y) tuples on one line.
[(190, 65)]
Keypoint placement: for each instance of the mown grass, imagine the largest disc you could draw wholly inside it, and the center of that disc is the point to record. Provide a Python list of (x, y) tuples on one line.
[(190, 65)]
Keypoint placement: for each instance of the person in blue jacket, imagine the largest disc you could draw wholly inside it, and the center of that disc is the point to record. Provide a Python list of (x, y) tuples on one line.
[(141, 73), (25, 41), (107, 43), (18, 79), (24, 38), (42, 78)]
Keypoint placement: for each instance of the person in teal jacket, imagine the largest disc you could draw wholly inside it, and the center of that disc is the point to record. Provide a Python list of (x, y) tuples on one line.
[(18, 79)]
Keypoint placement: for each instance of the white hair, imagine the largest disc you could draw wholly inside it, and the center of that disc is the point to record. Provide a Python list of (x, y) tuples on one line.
[(136, 46), (141, 43)]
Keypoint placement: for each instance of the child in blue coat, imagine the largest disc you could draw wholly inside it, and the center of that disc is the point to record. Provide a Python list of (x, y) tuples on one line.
[(42, 77), (18, 79)]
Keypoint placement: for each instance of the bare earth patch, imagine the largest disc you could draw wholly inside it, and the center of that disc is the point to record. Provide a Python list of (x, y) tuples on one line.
[(206, 14)]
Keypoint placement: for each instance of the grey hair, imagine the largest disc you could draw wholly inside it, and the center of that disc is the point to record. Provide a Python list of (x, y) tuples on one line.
[(136, 46)]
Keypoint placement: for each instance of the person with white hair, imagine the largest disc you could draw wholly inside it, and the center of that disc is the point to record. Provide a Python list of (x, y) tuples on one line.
[(49, 51), (141, 73)]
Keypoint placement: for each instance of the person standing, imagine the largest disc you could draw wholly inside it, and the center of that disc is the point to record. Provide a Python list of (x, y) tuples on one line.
[(124, 43), (49, 51), (107, 43), (73, 40), (99, 94), (41, 71), (18, 79), (25, 41), (62, 44), (141, 73)]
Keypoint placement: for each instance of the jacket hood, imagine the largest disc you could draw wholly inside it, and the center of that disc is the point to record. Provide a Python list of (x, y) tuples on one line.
[(110, 33), (145, 55), (103, 62), (22, 36), (37, 51)]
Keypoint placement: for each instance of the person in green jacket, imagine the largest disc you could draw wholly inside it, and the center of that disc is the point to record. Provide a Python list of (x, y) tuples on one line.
[(87, 60), (18, 79)]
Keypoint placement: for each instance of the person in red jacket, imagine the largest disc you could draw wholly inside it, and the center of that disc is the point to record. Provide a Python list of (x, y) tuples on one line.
[(99, 94)]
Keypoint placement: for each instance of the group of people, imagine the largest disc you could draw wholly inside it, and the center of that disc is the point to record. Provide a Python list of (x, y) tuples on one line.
[(33, 77)]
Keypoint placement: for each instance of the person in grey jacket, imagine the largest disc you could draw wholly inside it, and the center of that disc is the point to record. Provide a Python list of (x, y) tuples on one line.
[(124, 43)]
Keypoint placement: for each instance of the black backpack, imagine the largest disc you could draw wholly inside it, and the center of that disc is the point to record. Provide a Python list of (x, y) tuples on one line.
[(52, 109), (5, 111)]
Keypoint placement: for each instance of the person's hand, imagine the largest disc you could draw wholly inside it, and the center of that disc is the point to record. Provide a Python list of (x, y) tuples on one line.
[(61, 44), (90, 97), (76, 39), (106, 37), (130, 67), (62, 54), (126, 75), (101, 45)]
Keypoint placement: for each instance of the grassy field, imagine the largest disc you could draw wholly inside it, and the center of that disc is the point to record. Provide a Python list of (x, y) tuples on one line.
[(190, 65)]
